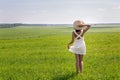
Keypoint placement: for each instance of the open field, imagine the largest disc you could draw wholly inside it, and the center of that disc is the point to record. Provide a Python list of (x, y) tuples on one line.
[(40, 53)]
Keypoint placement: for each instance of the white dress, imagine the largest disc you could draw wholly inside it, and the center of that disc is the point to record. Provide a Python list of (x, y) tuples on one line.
[(79, 45)]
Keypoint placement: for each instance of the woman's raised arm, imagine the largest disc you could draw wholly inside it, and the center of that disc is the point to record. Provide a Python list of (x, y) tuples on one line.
[(87, 28)]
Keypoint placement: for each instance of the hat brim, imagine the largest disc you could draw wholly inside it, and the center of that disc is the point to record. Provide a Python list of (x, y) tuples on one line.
[(79, 28)]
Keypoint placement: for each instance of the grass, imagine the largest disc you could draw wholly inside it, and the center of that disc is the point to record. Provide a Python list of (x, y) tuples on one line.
[(40, 53)]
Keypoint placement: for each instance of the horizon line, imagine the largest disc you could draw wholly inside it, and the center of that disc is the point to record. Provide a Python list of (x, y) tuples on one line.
[(59, 23)]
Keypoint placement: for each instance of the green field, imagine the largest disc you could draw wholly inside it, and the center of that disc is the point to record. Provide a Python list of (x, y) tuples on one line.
[(40, 53)]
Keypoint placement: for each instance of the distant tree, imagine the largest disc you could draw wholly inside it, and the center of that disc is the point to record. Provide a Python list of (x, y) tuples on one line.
[(10, 25)]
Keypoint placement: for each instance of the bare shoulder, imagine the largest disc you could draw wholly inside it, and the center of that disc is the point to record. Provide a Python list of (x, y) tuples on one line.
[(73, 34)]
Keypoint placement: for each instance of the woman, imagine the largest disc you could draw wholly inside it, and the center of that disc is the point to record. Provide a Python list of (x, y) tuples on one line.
[(78, 48)]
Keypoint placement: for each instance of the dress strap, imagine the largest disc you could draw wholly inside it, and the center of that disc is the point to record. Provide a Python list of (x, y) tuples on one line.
[(78, 35), (81, 32)]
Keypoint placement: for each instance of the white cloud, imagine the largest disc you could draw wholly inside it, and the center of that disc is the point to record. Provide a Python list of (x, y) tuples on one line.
[(59, 11), (117, 7), (101, 9)]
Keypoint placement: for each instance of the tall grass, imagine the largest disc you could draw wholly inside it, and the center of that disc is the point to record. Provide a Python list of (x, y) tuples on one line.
[(40, 53)]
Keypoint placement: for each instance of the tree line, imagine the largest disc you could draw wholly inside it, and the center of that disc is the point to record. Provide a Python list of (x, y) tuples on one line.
[(10, 25)]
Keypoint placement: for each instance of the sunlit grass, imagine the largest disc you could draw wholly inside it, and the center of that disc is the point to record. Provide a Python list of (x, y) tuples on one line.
[(40, 53)]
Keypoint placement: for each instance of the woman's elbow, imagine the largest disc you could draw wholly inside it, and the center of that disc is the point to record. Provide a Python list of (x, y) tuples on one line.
[(88, 25)]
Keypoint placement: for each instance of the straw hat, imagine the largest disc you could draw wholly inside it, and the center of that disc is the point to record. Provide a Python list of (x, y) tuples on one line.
[(77, 25)]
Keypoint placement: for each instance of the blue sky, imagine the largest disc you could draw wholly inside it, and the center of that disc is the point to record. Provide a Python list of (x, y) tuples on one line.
[(59, 11)]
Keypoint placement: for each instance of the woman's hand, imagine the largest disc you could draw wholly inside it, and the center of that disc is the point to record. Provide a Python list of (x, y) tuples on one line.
[(68, 46)]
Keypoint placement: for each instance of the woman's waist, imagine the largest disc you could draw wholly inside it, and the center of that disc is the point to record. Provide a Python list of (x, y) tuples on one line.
[(79, 45), (77, 39), (79, 42)]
